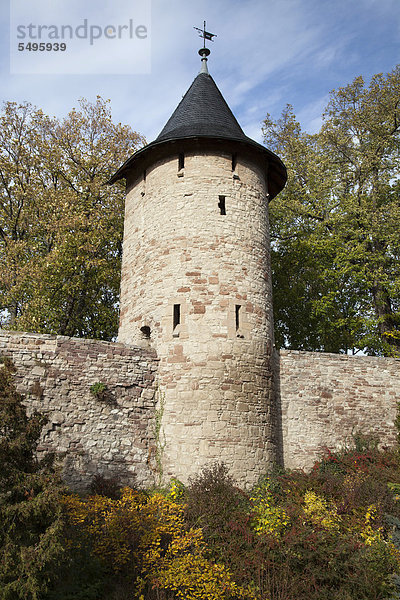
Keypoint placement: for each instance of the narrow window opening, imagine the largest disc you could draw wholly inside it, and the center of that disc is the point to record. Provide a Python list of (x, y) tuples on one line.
[(221, 205), (177, 315), (146, 331), (238, 321), (181, 161), (237, 316), (234, 162), (142, 193)]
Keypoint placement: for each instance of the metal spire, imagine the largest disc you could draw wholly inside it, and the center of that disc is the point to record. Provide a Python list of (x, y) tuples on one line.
[(204, 52)]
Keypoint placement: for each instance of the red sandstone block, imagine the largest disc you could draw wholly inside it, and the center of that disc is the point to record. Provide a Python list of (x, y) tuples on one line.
[(199, 309)]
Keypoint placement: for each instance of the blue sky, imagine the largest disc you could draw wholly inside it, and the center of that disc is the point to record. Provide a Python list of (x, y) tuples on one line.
[(267, 53)]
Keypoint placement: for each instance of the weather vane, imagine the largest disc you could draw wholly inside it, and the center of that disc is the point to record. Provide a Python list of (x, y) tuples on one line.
[(206, 35)]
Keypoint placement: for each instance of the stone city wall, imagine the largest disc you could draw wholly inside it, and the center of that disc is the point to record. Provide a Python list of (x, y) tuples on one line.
[(326, 398), (322, 400), (110, 434)]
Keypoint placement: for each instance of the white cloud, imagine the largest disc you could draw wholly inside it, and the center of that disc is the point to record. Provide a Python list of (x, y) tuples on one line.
[(266, 53)]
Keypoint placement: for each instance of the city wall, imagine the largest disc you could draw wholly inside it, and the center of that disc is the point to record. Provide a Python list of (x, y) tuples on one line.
[(111, 433), (322, 401)]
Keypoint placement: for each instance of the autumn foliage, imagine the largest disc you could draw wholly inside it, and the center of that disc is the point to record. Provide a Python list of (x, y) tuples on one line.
[(60, 223), (332, 533), (146, 538), (334, 228)]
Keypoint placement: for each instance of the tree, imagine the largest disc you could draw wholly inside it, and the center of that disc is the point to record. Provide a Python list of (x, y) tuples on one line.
[(60, 224), (335, 242), (31, 522)]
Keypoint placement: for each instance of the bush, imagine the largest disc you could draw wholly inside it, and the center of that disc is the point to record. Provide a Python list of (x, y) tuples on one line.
[(331, 534), (31, 521), (145, 539), (105, 486), (224, 513), (335, 542)]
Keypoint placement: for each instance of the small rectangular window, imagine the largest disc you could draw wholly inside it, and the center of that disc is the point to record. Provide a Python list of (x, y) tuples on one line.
[(234, 162), (177, 315), (144, 175), (181, 161), (221, 205), (237, 316)]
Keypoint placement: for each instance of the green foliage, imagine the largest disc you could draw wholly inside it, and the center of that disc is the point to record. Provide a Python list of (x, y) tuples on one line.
[(331, 534), (98, 389), (269, 518), (60, 225), (82, 576), (223, 512), (31, 522), (306, 536), (176, 490), (145, 540), (159, 438), (334, 229)]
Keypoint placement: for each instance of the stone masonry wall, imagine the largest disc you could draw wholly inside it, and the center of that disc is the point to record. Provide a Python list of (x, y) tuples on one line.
[(196, 277), (325, 398), (321, 400), (114, 435)]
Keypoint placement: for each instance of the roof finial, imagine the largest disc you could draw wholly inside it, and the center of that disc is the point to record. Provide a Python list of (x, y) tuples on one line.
[(204, 52)]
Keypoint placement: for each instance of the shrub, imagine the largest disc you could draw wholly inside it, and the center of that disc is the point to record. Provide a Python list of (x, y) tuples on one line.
[(145, 539), (105, 486), (268, 517), (31, 521), (336, 543), (98, 389)]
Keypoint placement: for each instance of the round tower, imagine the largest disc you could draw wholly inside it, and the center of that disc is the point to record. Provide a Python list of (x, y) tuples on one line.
[(196, 284)]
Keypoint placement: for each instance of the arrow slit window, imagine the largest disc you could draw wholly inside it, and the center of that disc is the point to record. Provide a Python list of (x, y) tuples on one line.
[(176, 320), (237, 316)]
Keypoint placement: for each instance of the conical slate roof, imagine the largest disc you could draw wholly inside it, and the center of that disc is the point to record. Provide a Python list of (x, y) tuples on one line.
[(203, 117), (202, 112)]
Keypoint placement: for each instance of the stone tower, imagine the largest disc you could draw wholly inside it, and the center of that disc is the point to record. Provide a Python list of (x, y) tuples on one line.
[(196, 283)]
